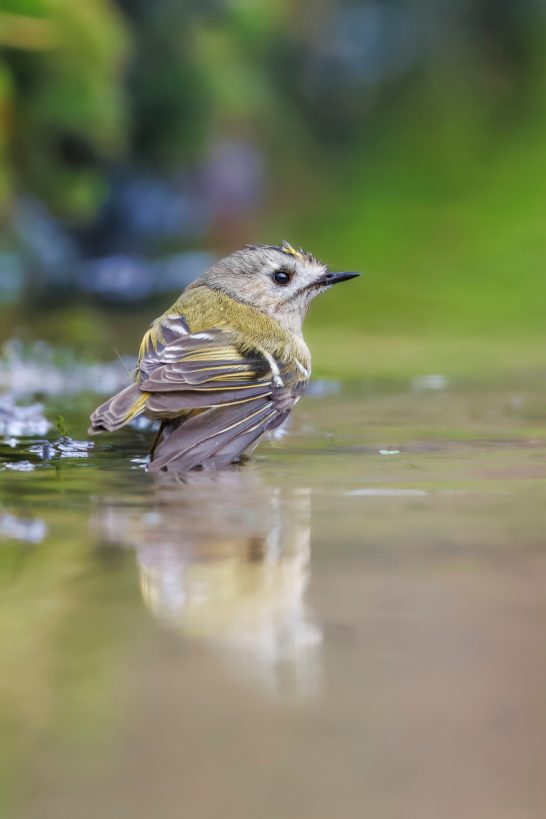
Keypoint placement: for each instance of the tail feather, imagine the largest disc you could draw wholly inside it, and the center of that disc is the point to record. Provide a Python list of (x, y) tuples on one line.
[(118, 410), (212, 438)]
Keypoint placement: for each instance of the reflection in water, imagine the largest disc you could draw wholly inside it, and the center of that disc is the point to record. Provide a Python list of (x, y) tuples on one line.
[(225, 559)]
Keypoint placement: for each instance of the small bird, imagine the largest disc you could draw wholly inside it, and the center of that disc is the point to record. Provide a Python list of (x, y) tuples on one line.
[(227, 361)]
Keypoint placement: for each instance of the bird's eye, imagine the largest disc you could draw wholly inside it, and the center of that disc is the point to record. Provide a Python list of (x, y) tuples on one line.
[(281, 277)]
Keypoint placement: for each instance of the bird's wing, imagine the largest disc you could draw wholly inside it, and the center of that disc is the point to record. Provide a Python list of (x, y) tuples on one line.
[(183, 370), (239, 395), (181, 375)]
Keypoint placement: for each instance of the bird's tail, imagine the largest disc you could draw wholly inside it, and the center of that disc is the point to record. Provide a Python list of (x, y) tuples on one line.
[(118, 410)]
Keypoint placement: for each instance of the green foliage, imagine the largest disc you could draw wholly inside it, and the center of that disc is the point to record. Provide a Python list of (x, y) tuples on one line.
[(432, 182), (63, 100), (441, 204), (60, 424), (168, 95), (440, 255)]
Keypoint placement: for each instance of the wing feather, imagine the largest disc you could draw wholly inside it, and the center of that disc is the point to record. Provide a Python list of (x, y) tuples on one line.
[(224, 432), (182, 371), (218, 399), (193, 360)]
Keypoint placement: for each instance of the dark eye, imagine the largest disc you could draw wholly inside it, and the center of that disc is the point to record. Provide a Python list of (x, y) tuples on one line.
[(281, 277)]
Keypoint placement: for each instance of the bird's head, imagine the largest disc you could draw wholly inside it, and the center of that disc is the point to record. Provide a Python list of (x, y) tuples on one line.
[(276, 279)]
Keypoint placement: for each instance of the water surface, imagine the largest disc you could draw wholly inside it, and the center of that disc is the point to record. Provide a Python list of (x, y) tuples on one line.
[(351, 625)]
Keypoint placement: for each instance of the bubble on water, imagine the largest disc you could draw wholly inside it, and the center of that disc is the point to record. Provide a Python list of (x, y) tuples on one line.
[(140, 463), (70, 448), (323, 387), (44, 450), (19, 466), (63, 447), (436, 381), (377, 492)]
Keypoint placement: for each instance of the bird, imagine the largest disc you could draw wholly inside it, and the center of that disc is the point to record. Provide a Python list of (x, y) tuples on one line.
[(227, 362)]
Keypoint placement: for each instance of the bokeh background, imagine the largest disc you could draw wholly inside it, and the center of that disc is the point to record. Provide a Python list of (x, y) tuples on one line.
[(139, 141), (354, 623)]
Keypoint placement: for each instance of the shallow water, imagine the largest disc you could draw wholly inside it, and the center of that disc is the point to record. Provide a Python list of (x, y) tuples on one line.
[(353, 624)]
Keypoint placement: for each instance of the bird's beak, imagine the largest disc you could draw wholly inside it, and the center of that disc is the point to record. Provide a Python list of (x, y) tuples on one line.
[(335, 278)]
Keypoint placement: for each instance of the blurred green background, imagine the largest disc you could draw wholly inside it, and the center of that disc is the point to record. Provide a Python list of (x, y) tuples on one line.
[(139, 140)]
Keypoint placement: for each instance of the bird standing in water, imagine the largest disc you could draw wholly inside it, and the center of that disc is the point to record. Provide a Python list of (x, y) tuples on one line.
[(227, 361)]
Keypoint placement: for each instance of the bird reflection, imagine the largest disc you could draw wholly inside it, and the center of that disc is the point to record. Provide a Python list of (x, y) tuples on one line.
[(224, 558)]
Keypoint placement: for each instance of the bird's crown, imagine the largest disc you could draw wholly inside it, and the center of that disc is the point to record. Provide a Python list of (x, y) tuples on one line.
[(287, 248)]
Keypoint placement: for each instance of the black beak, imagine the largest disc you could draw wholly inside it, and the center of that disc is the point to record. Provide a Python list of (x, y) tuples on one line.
[(335, 278)]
